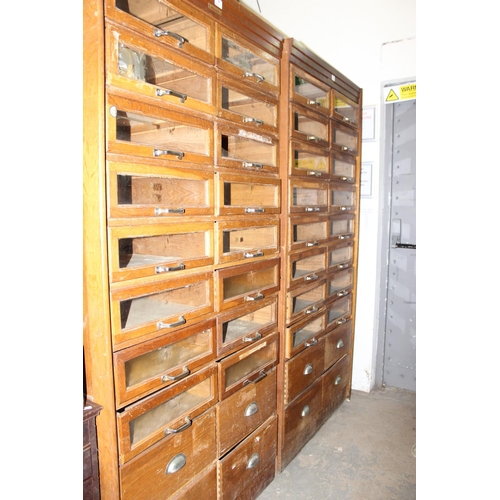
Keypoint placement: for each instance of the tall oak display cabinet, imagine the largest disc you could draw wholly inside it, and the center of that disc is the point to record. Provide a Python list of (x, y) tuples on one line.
[(193, 280)]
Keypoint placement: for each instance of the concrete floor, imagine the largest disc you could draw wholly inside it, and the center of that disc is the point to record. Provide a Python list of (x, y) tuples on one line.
[(365, 451)]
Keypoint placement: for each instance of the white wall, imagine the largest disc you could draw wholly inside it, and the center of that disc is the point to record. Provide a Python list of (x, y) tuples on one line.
[(371, 42)]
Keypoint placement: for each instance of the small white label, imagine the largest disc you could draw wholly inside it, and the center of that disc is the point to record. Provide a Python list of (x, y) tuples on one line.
[(218, 3), (333, 78), (255, 137)]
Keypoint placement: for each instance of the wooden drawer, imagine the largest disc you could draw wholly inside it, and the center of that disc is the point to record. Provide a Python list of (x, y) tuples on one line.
[(339, 284), (345, 109), (343, 167), (341, 227), (337, 343), (340, 255), (239, 468), (242, 412), (344, 138), (305, 300), (144, 312), (309, 161), (173, 23), (247, 366), (306, 232), (247, 240), (308, 91), (158, 363), (159, 250), (246, 283), (169, 411), (138, 129), (141, 190), (336, 382), (338, 311), (307, 197), (246, 324), (342, 197), (306, 267), (302, 370), (304, 333), (310, 127), (159, 472), (203, 486), (145, 67), (249, 195)]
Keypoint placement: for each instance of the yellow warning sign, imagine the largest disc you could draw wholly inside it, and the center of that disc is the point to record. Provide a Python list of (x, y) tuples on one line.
[(403, 92), (392, 96)]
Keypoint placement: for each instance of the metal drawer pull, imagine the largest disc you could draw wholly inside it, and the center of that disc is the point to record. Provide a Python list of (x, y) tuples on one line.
[(347, 119), (160, 152), (188, 424), (313, 138), (314, 174), (161, 92), (185, 373), (305, 411), (253, 461), (249, 119), (261, 376), (159, 211), (248, 74), (338, 380), (312, 310), (161, 325), (311, 277), (345, 208), (345, 148), (177, 463), (250, 210), (310, 344), (341, 321), (256, 336), (308, 369), (166, 269), (248, 164), (340, 344), (343, 266), (249, 255), (344, 236), (251, 409), (312, 209), (179, 38), (346, 179), (343, 293), (313, 244), (259, 296), (313, 102)]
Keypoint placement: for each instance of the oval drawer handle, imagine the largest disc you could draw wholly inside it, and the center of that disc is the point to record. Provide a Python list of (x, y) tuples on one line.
[(249, 164), (177, 463), (188, 424), (161, 92), (253, 338), (248, 74), (179, 38), (312, 209), (167, 269), (185, 373), (312, 173), (249, 255), (311, 343), (262, 375), (161, 325), (251, 210), (249, 119), (341, 321), (308, 369), (340, 344), (305, 411), (338, 380), (343, 293), (313, 102), (160, 211), (253, 461), (161, 152), (312, 244), (251, 409), (259, 296), (311, 277), (312, 310)]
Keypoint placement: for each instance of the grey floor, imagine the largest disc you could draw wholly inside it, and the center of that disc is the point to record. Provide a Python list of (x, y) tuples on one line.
[(365, 451)]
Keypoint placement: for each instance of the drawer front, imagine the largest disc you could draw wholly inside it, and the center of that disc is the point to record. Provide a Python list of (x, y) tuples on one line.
[(338, 311), (164, 413), (307, 232), (242, 465), (202, 486), (308, 91), (159, 250), (337, 344), (247, 366), (158, 363), (340, 255), (309, 161), (341, 228), (339, 284), (345, 109), (308, 197), (305, 300), (304, 334), (336, 383), (146, 190), (309, 126), (144, 312), (242, 412), (344, 138), (160, 471), (302, 370), (342, 197), (306, 267), (343, 167)]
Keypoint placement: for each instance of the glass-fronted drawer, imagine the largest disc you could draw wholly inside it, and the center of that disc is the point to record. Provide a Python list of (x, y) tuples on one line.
[(159, 249), (309, 126), (248, 365), (144, 312), (308, 196), (246, 61), (304, 333), (340, 255), (305, 300), (345, 109), (342, 197), (152, 365), (246, 283), (249, 194), (152, 132), (162, 75), (167, 412), (143, 190), (344, 138), (309, 161), (340, 283), (246, 151), (341, 227), (173, 23), (338, 311), (306, 232), (306, 266), (308, 91), (240, 104), (343, 167), (246, 324), (247, 239)]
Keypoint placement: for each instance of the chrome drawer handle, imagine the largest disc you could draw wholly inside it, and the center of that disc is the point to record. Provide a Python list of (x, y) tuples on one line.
[(338, 380), (313, 102), (341, 321), (160, 152), (312, 209), (248, 74), (160, 211), (345, 208), (343, 266), (249, 164), (340, 344), (314, 174), (177, 463), (185, 373), (253, 461), (179, 38), (305, 411), (344, 236), (251, 409), (188, 424), (161, 325), (313, 244), (311, 277), (249, 255), (259, 296), (166, 269), (312, 310), (308, 369), (311, 343), (161, 92), (347, 119), (345, 148), (261, 376), (343, 293), (250, 210), (346, 179), (249, 119), (313, 138), (253, 338)]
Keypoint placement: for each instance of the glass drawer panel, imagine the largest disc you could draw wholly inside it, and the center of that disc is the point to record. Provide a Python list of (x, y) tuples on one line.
[(311, 162), (342, 228), (310, 127), (308, 197), (338, 311), (309, 91), (137, 190), (345, 138), (346, 108), (342, 199), (308, 265), (343, 168), (153, 250), (307, 233), (246, 283), (305, 300), (305, 333), (340, 283), (340, 256)]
